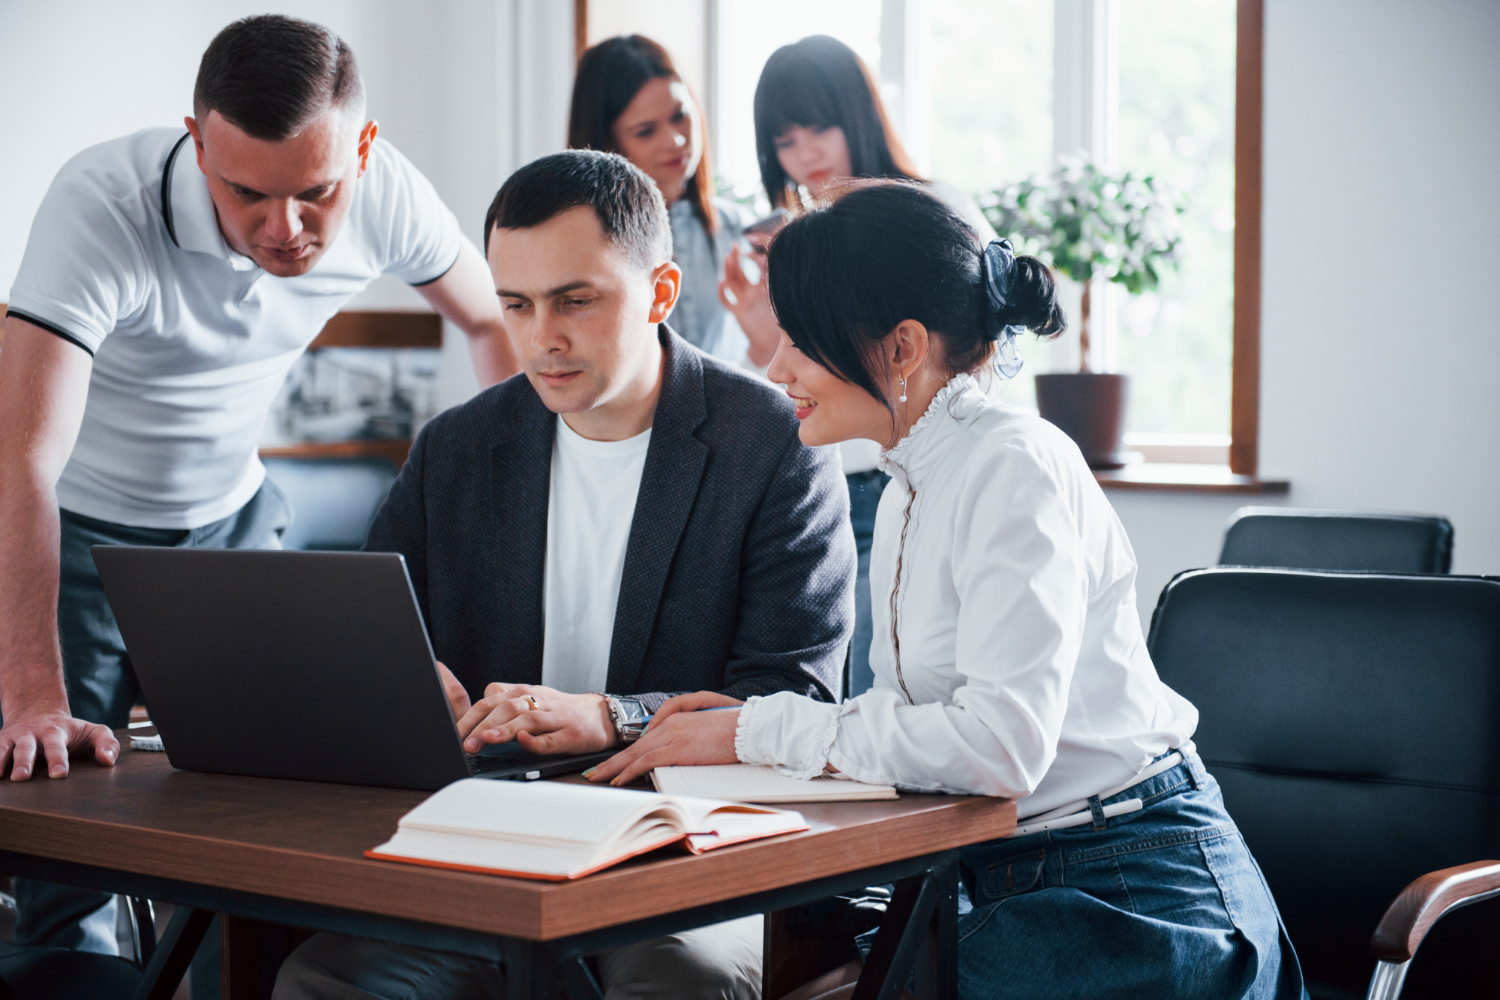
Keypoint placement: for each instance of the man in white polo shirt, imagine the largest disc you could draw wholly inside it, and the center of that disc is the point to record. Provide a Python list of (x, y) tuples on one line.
[(170, 281)]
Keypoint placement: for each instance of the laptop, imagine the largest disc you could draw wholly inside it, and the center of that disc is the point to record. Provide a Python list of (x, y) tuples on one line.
[(308, 665)]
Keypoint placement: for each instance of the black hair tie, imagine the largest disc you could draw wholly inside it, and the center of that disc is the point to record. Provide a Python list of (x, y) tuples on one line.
[(997, 266)]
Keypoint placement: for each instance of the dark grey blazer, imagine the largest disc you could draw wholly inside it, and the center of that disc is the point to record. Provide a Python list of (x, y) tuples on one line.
[(739, 570)]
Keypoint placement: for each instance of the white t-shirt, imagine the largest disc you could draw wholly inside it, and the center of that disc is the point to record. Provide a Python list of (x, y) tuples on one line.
[(190, 339), (592, 504)]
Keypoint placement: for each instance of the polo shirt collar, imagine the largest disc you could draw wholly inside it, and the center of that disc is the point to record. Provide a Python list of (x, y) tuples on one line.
[(188, 209)]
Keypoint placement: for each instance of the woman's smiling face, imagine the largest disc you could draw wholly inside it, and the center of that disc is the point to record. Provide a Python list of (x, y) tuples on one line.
[(814, 157), (829, 409)]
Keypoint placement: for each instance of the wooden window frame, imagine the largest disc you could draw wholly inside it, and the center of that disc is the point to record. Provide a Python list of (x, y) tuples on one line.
[(1243, 473), (1249, 107)]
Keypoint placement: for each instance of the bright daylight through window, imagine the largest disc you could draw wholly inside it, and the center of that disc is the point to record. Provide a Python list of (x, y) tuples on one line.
[(972, 91)]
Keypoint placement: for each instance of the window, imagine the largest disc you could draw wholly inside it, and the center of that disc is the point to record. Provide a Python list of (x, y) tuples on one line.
[(991, 93), (1176, 121), (991, 118), (988, 92)]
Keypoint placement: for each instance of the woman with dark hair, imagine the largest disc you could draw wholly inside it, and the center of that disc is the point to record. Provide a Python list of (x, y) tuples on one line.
[(1008, 653), (629, 99), (819, 121)]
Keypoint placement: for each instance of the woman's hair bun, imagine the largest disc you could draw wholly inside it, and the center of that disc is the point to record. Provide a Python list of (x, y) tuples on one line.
[(843, 276), (1033, 300)]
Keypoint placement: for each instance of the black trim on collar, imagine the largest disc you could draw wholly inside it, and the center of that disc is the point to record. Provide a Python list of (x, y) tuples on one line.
[(166, 190), (50, 328)]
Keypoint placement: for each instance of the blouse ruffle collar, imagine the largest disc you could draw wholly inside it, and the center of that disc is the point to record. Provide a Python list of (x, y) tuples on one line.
[(953, 403)]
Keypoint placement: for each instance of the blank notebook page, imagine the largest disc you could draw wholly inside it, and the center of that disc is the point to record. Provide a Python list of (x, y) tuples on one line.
[(757, 783)]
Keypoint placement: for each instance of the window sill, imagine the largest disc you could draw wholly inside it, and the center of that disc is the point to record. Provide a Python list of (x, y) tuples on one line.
[(394, 450), (1163, 477)]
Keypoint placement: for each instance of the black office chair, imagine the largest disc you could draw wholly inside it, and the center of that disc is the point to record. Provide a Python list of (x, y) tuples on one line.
[(1308, 538), (333, 499), (1353, 721), (30, 973)]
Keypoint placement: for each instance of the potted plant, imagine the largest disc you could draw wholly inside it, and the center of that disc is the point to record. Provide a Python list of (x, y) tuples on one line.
[(1091, 223)]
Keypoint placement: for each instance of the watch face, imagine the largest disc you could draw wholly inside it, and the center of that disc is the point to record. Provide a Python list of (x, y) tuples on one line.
[(633, 711)]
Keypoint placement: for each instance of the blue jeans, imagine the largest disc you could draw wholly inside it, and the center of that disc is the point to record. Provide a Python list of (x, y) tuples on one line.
[(864, 499), (1163, 902), (102, 688)]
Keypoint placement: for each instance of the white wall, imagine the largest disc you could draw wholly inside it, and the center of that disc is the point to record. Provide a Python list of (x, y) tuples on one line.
[(468, 89), (1380, 333), (680, 26)]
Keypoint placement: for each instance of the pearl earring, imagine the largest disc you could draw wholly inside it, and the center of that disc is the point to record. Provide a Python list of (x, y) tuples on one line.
[(902, 379)]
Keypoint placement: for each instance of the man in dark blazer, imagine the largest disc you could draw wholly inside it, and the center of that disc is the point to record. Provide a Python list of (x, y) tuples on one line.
[(625, 462), (737, 571)]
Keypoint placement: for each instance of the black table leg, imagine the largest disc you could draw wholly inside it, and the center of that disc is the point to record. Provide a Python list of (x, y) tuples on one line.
[(919, 936), (534, 972), (937, 962), (145, 928), (164, 972), (579, 980), (520, 957)]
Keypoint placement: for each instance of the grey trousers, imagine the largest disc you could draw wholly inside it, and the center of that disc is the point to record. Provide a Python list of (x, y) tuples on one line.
[(718, 962), (102, 688)]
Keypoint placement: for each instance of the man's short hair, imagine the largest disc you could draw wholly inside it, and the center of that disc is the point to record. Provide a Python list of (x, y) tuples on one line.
[(629, 207), (270, 76)]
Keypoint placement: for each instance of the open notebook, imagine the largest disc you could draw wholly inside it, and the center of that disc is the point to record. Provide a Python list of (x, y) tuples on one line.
[(555, 830), (757, 783)]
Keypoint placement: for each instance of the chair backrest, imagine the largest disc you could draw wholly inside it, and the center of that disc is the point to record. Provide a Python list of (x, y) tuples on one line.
[(1307, 538), (333, 499), (1353, 721)]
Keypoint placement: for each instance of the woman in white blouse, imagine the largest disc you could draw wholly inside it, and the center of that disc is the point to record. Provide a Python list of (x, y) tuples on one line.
[(1008, 653)]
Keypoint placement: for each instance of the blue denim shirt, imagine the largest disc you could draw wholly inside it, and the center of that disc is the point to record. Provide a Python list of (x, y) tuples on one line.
[(699, 317)]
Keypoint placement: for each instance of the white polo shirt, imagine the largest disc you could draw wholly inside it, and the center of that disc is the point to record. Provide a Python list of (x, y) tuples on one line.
[(191, 340)]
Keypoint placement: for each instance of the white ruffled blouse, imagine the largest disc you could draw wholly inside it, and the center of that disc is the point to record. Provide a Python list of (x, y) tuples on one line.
[(1024, 668)]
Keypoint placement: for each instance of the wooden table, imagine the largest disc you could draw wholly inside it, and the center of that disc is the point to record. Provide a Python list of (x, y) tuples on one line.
[(290, 852)]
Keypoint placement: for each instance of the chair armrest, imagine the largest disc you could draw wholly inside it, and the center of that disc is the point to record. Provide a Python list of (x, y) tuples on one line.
[(1420, 904)]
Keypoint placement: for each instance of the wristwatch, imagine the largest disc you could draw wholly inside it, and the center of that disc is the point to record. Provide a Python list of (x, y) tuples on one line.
[(630, 718)]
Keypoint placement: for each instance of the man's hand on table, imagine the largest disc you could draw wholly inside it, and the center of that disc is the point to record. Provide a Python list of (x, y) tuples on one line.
[(679, 734), (541, 719), (55, 734)]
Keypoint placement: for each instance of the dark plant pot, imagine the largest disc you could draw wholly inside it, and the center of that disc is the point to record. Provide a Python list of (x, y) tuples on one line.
[(1090, 408)]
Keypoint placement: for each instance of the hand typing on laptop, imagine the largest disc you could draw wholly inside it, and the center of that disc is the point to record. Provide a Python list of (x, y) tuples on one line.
[(541, 719)]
